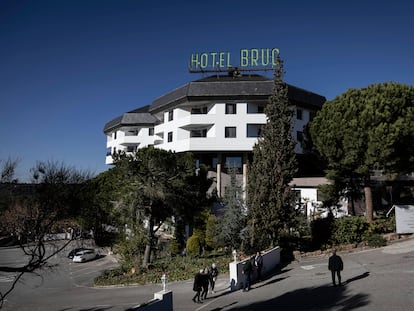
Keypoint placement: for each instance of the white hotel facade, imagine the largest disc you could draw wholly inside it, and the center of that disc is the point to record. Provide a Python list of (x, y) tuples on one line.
[(218, 119)]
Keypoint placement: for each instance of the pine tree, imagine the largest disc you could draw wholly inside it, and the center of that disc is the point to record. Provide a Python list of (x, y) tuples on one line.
[(234, 219), (270, 206)]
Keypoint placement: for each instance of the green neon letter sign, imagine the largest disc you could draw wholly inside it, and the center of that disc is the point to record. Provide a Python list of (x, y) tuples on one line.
[(244, 58)]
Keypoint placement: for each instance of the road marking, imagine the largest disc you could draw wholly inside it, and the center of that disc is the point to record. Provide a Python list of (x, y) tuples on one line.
[(206, 304), (310, 267), (4, 279)]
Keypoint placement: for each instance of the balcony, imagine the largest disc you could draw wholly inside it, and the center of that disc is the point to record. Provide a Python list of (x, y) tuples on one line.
[(197, 119), (210, 144), (128, 140)]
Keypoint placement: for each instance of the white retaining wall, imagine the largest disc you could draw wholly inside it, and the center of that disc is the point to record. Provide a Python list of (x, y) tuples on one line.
[(271, 259), (163, 301)]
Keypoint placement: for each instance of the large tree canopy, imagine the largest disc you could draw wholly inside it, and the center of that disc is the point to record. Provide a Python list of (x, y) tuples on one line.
[(365, 130), (157, 184)]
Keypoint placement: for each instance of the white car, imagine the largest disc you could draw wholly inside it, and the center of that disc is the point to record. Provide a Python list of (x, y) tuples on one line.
[(85, 255)]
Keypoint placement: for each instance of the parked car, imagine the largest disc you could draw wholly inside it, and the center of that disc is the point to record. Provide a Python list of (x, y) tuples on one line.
[(72, 253), (85, 255)]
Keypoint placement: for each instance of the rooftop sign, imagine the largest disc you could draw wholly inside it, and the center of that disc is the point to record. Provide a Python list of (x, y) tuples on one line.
[(249, 59)]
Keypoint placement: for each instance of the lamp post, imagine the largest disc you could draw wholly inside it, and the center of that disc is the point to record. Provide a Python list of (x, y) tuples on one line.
[(235, 255)]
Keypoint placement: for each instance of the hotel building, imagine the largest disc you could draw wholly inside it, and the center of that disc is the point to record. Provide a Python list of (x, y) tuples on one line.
[(217, 118)]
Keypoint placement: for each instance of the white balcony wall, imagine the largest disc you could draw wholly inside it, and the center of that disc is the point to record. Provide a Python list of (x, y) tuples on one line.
[(182, 134), (108, 160), (181, 113), (128, 136), (110, 141), (215, 121), (194, 119)]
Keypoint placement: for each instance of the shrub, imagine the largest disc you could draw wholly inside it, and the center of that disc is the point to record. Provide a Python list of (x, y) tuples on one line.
[(349, 230), (383, 225), (194, 245), (321, 231), (211, 232), (375, 240), (174, 247), (131, 250)]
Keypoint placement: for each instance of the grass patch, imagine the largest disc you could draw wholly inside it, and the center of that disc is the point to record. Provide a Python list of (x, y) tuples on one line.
[(177, 268)]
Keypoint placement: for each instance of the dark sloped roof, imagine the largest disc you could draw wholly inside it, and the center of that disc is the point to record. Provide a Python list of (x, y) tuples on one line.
[(232, 88), (136, 117), (140, 110)]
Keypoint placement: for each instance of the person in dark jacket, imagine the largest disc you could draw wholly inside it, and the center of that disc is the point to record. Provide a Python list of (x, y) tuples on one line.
[(213, 276), (258, 261), (204, 283), (335, 265), (247, 271), (197, 286)]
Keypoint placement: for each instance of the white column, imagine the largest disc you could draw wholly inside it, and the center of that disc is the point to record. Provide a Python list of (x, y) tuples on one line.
[(219, 180), (244, 185)]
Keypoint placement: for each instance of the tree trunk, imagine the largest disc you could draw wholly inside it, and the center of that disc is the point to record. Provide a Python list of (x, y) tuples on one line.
[(368, 202), (148, 247), (353, 213), (147, 255)]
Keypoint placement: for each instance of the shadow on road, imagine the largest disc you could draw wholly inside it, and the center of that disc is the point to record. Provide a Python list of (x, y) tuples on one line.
[(320, 298), (358, 277), (270, 282)]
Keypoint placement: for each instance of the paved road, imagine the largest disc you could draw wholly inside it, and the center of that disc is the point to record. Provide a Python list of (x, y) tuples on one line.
[(379, 279)]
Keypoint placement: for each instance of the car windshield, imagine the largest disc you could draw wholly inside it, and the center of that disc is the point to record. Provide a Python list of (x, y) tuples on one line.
[(83, 252)]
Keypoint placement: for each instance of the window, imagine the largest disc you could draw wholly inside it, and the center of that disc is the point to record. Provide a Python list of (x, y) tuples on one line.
[(171, 115), (254, 130), (255, 108), (312, 115), (233, 162), (132, 133), (231, 109), (230, 132), (170, 137), (198, 133), (115, 135), (320, 195), (131, 148), (151, 131), (298, 114), (298, 196), (199, 110)]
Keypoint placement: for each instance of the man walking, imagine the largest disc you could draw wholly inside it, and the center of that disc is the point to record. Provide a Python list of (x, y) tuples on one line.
[(213, 276), (247, 270), (335, 266), (259, 264), (198, 285)]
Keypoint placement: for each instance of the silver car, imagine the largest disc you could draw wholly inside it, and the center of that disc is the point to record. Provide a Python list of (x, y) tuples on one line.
[(85, 255)]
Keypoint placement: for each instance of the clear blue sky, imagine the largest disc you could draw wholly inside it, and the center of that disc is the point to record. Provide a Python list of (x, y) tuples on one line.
[(69, 66)]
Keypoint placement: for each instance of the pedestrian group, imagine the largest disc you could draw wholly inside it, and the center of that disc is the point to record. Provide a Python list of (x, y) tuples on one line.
[(207, 277), (202, 280)]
